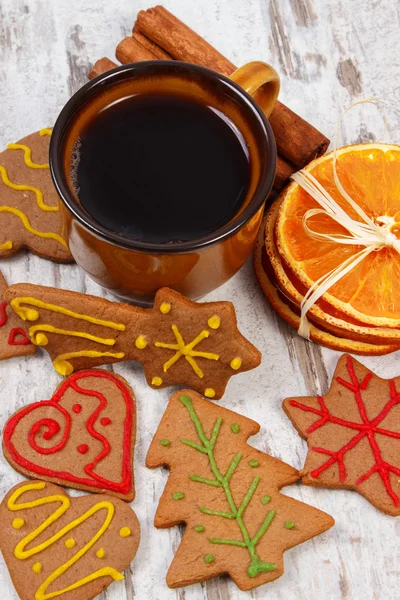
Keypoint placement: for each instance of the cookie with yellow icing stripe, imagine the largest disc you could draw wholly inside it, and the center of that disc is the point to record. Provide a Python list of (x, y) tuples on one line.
[(61, 547), (14, 338), (29, 211), (177, 341)]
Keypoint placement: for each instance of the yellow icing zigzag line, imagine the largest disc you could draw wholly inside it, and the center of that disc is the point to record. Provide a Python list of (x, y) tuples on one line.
[(28, 226), (65, 368), (27, 188), (45, 131), (21, 554), (41, 338), (27, 156), (32, 315)]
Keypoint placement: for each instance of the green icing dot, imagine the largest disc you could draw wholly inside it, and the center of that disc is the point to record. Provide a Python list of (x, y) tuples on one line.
[(178, 496), (289, 524), (254, 463), (235, 428), (199, 528), (208, 558), (265, 499), (165, 442)]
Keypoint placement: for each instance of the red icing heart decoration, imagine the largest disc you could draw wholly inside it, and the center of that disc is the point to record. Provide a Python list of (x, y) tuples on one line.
[(83, 437)]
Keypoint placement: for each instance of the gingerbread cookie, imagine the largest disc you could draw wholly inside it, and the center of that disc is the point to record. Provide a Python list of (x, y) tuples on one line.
[(353, 434), (82, 438), (14, 340), (227, 494), (29, 210), (57, 546), (177, 341)]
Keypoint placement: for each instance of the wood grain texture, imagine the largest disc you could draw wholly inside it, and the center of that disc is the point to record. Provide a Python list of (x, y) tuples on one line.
[(328, 54)]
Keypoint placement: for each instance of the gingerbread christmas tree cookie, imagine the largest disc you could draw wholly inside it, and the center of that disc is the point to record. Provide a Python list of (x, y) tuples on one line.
[(83, 437), (14, 338), (227, 494), (177, 341), (29, 211), (60, 547), (353, 434)]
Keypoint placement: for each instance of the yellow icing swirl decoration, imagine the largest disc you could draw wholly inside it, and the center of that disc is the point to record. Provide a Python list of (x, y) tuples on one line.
[(65, 368), (61, 362), (26, 223), (27, 156), (187, 350), (21, 553), (28, 314), (45, 131), (40, 339), (26, 188)]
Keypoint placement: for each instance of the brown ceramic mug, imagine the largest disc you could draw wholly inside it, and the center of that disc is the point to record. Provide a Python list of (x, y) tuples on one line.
[(135, 270)]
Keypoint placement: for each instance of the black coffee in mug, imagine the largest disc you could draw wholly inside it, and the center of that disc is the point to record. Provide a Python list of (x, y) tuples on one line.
[(160, 167)]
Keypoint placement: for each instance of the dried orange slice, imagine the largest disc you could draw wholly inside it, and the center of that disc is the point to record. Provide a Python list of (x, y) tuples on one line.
[(370, 173), (268, 285), (321, 312)]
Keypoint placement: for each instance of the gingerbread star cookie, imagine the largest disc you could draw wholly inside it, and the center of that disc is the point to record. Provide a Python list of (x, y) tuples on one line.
[(14, 339), (83, 437), (353, 434), (29, 211), (227, 494), (55, 546), (177, 341)]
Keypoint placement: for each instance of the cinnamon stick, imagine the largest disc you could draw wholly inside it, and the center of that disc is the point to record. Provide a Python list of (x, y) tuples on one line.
[(283, 172), (130, 47), (154, 49), (181, 42), (297, 141), (101, 66)]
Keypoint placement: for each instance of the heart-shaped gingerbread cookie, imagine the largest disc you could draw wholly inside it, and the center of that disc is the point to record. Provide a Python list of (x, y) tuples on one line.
[(82, 438), (57, 546)]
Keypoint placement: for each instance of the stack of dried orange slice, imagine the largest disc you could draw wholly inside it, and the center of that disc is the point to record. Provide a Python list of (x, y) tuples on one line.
[(360, 313)]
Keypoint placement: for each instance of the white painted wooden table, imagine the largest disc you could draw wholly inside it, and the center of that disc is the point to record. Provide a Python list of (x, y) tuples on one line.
[(329, 53)]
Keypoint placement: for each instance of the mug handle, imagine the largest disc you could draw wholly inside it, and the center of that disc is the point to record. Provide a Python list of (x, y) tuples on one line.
[(261, 81)]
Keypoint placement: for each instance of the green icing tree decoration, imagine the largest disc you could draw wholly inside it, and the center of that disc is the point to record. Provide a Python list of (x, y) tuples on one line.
[(235, 515), (236, 512)]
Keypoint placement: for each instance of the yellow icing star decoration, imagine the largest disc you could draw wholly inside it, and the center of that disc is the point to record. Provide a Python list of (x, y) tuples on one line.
[(187, 350)]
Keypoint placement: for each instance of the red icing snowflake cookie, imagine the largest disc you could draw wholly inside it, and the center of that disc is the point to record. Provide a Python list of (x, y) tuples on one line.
[(83, 437), (353, 434)]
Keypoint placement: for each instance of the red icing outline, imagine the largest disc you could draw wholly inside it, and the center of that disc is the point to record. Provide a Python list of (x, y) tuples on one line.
[(52, 428), (13, 334), (3, 314), (368, 428)]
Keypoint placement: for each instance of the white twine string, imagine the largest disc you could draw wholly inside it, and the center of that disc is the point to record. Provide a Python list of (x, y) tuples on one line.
[(373, 236)]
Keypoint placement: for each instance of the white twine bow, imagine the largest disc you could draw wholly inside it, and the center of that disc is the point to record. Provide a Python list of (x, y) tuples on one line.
[(372, 235)]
